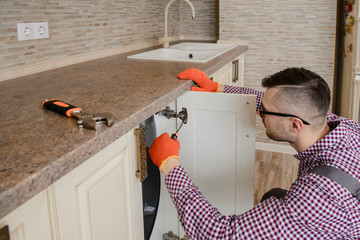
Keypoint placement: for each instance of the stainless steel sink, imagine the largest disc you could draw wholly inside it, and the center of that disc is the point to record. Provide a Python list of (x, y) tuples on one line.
[(186, 52)]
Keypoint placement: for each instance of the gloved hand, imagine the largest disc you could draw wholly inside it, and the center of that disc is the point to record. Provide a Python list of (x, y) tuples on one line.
[(198, 76), (164, 148)]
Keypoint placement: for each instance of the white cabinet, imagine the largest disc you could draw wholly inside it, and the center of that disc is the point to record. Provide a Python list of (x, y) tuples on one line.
[(231, 73), (32, 220), (217, 151), (100, 199)]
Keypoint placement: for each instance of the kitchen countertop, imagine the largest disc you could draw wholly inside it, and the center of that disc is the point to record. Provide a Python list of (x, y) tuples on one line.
[(39, 146)]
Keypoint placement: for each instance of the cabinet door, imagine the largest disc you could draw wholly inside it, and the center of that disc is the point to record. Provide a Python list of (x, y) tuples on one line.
[(101, 199), (223, 75), (32, 220), (217, 151), (232, 73)]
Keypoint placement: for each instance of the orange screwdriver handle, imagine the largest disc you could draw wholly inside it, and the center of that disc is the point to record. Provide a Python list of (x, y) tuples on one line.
[(58, 106)]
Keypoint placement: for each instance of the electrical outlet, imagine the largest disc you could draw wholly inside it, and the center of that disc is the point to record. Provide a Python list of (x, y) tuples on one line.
[(25, 31), (30, 31), (41, 30)]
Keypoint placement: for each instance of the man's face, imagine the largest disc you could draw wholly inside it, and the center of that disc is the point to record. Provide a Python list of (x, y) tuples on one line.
[(277, 128)]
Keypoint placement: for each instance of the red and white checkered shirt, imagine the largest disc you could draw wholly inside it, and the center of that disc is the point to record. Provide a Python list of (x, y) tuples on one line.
[(315, 207)]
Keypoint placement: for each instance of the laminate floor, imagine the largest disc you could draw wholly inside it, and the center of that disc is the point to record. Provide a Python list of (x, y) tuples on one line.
[(272, 170)]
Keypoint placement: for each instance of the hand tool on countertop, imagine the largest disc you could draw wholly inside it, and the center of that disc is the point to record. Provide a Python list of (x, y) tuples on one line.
[(84, 119)]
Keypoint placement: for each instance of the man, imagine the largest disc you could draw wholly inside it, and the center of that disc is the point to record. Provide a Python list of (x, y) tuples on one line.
[(293, 109)]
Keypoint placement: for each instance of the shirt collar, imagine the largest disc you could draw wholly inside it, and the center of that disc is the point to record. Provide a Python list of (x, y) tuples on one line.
[(337, 132)]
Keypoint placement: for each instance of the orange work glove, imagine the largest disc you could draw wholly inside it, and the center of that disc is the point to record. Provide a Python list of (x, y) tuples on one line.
[(198, 76), (164, 148)]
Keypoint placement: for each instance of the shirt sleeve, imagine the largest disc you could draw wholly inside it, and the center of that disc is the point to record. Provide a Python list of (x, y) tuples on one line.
[(271, 219), (245, 90)]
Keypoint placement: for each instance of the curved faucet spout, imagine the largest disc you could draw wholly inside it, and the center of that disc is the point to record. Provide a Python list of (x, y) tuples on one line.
[(166, 38), (192, 8)]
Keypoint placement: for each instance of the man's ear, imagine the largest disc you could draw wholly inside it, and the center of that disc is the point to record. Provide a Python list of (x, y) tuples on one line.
[(296, 125)]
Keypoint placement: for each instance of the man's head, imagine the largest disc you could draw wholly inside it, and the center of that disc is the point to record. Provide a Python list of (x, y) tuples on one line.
[(297, 92)]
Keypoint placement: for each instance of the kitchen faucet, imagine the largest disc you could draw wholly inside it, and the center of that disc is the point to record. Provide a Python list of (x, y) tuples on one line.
[(165, 39)]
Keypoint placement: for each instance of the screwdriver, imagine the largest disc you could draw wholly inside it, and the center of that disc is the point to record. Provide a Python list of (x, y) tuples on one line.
[(175, 135)]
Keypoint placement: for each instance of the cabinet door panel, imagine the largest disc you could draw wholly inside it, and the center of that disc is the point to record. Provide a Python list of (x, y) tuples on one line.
[(218, 147), (101, 199), (217, 151), (32, 220), (223, 75), (203, 165), (230, 71)]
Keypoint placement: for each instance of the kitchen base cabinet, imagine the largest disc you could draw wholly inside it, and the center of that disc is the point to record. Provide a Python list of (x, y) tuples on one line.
[(231, 73), (100, 199)]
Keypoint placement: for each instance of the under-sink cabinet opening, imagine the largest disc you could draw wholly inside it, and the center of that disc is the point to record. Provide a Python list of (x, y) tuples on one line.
[(219, 128)]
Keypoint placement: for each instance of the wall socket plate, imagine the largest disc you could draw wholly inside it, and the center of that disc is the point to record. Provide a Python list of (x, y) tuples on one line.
[(30, 31)]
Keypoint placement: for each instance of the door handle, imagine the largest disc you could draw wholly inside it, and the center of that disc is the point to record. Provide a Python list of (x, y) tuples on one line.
[(142, 171), (235, 70), (4, 233)]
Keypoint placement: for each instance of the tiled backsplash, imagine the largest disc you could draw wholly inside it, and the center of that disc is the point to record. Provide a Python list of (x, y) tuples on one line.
[(81, 26), (281, 34)]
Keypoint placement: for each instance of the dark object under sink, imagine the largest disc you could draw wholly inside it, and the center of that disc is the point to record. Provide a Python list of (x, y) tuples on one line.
[(151, 185)]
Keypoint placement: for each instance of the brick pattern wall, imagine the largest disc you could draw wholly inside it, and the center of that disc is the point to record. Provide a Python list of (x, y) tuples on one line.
[(82, 26), (206, 25), (281, 34)]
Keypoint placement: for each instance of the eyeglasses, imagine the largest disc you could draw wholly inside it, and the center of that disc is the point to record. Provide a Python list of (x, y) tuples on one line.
[(262, 113)]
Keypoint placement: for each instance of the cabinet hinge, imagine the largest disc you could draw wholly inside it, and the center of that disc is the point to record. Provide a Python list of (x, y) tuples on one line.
[(171, 236), (169, 113)]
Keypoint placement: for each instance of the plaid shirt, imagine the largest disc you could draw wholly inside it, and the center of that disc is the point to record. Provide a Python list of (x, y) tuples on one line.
[(315, 207)]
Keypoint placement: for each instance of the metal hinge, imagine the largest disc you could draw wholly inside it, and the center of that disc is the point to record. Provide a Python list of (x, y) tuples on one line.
[(171, 236), (169, 113)]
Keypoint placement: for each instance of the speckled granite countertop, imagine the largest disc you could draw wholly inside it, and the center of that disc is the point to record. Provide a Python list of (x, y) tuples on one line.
[(38, 146)]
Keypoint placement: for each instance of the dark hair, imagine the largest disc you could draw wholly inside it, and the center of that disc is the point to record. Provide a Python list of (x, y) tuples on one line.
[(303, 86)]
